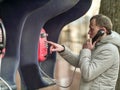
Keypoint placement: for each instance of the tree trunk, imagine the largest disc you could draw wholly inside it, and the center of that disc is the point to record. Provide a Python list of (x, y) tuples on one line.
[(111, 9)]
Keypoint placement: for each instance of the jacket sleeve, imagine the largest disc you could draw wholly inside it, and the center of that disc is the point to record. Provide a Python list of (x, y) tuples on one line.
[(70, 57), (93, 67)]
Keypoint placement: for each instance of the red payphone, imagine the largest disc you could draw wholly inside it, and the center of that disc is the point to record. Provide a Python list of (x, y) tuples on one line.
[(42, 46)]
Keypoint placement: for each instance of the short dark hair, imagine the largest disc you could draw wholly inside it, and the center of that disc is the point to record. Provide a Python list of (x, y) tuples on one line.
[(103, 21)]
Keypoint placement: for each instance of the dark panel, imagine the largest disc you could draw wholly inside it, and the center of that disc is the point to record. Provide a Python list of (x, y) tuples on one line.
[(30, 37), (13, 13)]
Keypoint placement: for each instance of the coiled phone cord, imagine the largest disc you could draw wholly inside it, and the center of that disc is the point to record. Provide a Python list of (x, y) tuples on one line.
[(57, 83)]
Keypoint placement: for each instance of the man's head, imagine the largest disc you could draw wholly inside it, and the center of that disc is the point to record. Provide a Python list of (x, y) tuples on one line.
[(98, 22)]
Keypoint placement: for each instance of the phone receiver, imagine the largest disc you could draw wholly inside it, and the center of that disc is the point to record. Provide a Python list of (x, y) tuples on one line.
[(2, 36), (99, 34)]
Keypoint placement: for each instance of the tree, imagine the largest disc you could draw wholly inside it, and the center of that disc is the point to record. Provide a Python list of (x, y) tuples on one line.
[(111, 9)]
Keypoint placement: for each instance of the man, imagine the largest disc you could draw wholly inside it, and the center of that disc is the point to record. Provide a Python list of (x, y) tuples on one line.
[(98, 62)]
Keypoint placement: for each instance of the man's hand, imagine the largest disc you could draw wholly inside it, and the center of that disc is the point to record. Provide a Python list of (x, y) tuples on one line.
[(55, 47), (88, 44)]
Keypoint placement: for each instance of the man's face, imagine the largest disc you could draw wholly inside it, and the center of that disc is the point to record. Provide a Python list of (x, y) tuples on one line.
[(93, 28)]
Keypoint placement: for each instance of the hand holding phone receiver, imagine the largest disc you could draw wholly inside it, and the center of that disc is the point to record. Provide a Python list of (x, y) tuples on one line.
[(99, 34)]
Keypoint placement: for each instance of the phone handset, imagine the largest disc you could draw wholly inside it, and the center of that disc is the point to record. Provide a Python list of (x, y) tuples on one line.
[(99, 34)]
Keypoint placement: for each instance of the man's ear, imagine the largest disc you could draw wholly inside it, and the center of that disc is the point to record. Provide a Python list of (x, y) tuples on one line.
[(104, 29)]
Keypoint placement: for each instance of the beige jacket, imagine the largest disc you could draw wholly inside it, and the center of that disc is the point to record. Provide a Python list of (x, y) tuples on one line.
[(99, 67)]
